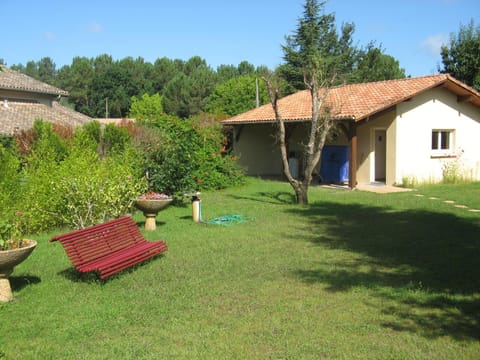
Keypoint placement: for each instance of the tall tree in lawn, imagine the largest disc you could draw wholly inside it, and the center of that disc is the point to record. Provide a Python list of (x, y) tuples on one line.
[(317, 37), (320, 54), (461, 57)]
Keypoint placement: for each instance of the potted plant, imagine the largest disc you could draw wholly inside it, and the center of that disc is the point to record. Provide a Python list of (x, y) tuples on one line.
[(13, 250), (150, 204)]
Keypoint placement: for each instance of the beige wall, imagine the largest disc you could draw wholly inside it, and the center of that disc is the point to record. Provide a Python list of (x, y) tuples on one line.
[(259, 153), (257, 150), (366, 147), (408, 129)]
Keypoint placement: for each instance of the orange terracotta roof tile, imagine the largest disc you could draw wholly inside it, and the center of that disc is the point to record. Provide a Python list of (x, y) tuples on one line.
[(356, 101)]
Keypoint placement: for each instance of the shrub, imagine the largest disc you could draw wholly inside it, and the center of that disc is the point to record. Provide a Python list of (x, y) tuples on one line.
[(79, 188), (9, 182), (453, 170), (185, 155), (409, 181), (94, 190), (7, 141), (181, 155), (147, 108)]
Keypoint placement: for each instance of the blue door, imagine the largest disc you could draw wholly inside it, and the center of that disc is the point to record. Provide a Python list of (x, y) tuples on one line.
[(334, 165)]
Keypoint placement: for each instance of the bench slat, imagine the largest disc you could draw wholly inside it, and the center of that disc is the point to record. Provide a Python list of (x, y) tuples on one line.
[(120, 255), (108, 247), (109, 269)]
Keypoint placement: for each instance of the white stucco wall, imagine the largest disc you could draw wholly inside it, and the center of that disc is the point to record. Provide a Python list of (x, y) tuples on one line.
[(435, 109)]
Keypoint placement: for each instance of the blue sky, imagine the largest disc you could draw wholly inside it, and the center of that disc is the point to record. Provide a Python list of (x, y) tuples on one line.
[(220, 31)]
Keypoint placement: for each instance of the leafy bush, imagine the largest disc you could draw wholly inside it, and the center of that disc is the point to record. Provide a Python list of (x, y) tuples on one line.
[(215, 170), (94, 190), (7, 142), (146, 108), (454, 171), (77, 187), (9, 181), (86, 177), (184, 155)]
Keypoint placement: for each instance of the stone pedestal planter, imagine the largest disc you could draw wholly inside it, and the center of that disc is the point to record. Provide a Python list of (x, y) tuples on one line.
[(8, 260)]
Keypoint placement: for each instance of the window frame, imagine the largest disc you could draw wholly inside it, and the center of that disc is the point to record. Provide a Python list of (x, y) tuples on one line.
[(444, 144)]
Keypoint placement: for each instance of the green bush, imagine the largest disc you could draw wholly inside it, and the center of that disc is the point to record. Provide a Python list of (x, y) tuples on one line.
[(9, 182), (94, 174), (38, 176), (185, 155), (79, 188), (93, 190)]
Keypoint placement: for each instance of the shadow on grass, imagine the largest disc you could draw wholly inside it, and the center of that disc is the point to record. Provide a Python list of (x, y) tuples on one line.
[(74, 275), (17, 283), (425, 263), (141, 223), (270, 197)]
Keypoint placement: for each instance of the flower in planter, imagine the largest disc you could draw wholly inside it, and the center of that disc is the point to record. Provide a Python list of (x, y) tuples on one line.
[(152, 195), (11, 233)]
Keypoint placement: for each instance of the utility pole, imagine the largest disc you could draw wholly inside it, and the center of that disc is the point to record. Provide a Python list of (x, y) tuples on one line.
[(106, 108), (257, 99)]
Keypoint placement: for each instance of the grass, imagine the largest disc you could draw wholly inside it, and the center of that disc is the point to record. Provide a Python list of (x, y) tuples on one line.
[(354, 275)]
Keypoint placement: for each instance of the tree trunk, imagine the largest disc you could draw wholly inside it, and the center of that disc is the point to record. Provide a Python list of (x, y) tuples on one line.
[(320, 126), (301, 192)]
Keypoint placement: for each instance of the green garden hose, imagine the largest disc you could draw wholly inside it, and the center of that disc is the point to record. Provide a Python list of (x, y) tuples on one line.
[(225, 220)]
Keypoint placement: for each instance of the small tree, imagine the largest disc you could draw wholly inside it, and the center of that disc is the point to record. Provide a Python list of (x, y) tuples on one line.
[(315, 47), (236, 96), (147, 108)]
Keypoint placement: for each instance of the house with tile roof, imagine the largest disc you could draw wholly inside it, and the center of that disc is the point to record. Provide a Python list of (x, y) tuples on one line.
[(386, 131), (24, 100)]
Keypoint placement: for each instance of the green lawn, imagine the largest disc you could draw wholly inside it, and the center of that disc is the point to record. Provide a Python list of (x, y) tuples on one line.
[(354, 275)]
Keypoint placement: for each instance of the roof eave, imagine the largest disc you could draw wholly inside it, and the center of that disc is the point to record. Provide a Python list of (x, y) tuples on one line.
[(272, 121), (35, 91)]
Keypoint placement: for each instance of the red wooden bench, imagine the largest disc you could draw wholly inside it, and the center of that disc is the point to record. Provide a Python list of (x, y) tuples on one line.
[(109, 247)]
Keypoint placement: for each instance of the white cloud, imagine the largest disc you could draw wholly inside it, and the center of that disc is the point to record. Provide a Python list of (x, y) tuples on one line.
[(433, 44), (49, 36), (95, 27)]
